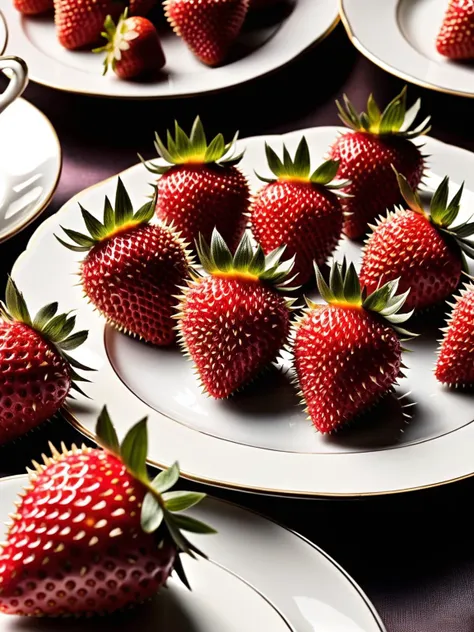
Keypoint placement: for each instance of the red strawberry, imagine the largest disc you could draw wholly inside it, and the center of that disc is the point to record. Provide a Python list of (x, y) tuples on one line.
[(80, 24), (92, 534), (133, 47), (208, 27), (367, 154), (347, 354), (298, 209), (201, 188), (424, 251), (36, 372), (456, 37), (33, 7), (455, 364), (234, 322), (132, 268)]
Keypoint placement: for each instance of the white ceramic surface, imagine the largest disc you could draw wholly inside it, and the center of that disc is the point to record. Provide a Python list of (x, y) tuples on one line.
[(30, 166), (261, 49), (259, 440), (260, 577), (404, 42)]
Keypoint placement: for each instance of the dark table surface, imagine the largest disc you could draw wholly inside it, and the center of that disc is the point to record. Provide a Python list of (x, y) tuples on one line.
[(413, 554)]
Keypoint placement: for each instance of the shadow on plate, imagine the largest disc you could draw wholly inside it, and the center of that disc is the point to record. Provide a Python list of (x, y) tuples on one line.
[(166, 612)]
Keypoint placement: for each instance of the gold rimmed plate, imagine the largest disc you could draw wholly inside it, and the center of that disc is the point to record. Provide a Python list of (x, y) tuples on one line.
[(264, 46), (259, 440), (404, 42)]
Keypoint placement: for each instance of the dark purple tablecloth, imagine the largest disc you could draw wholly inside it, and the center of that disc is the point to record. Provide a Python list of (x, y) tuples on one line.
[(412, 554)]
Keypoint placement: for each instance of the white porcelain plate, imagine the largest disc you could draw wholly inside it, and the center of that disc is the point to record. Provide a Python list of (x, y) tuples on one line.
[(264, 46), (260, 576), (30, 166), (260, 439), (404, 41)]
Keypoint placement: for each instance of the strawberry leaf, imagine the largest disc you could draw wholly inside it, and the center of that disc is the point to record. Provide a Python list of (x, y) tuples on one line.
[(198, 136), (274, 162), (302, 162), (134, 449), (180, 500), (95, 228), (325, 173), (44, 315), (166, 479), (16, 304), (352, 285), (186, 523), (178, 567), (152, 514), (215, 150), (105, 431), (123, 205), (74, 341), (109, 219)]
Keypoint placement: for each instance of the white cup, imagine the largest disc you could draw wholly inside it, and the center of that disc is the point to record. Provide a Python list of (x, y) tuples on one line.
[(17, 72)]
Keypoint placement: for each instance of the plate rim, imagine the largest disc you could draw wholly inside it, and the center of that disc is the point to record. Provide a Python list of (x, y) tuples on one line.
[(190, 94), (211, 480), (4, 44), (44, 205), (341, 570), (388, 67)]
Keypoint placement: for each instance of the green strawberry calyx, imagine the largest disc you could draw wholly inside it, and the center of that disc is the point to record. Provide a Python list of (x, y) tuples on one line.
[(344, 290), (57, 329), (161, 508), (442, 213), (247, 262), (117, 219), (298, 169), (118, 37), (394, 120), (193, 149)]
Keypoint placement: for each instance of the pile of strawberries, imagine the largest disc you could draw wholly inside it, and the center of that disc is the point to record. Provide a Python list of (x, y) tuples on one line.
[(209, 266), (133, 47)]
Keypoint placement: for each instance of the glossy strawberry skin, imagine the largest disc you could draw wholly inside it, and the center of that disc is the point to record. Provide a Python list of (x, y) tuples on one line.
[(76, 545), (34, 380), (80, 24), (339, 352), (366, 160), (209, 27), (306, 218), (455, 364), (455, 39), (198, 198), (33, 7), (131, 279), (232, 328), (145, 53), (407, 245)]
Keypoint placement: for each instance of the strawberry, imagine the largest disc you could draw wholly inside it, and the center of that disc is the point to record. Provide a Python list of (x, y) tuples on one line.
[(33, 7), (132, 268), (208, 27), (456, 36), (366, 154), (133, 47), (92, 534), (36, 371), (424, 250), (201, 187), (298, 209), (80, 24), (234, 322), (347, 354), (455, 364)]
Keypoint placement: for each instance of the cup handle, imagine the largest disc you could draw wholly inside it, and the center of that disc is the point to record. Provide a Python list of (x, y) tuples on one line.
[(18, 80)]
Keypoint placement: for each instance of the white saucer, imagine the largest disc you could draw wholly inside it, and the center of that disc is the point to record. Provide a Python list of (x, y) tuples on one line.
[(404, 42), (259, 440), (262, 49), (259, 577), (30, 166)]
